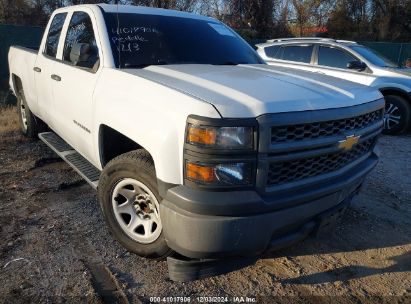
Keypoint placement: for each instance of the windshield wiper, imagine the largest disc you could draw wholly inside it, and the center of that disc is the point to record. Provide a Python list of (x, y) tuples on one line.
[(136, 66), (228, 63), (162, 62), (144, 65)]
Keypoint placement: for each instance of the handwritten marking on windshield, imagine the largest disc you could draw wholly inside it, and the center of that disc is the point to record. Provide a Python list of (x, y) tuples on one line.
[(134, 29), (127, 47), (129, 39)]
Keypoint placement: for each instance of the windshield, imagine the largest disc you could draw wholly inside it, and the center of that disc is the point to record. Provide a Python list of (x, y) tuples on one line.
[(373, 56), (139, 40)]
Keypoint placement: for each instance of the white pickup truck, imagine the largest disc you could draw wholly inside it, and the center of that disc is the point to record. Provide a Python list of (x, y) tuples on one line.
[(195, 145)]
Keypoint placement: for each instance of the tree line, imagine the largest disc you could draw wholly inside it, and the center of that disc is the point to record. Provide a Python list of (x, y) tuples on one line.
[(374, 20)]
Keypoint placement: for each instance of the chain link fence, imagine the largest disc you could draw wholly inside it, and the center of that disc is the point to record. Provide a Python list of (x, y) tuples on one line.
[(396, 52), (14, 35)]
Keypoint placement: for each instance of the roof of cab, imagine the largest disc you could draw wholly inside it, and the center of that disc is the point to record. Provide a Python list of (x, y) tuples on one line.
[(133, 9)]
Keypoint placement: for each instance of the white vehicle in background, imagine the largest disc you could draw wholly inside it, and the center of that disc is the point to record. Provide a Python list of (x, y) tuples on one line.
[(350, 61)]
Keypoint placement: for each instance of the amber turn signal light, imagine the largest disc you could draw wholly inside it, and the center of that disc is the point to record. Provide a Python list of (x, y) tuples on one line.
[(201, 135), (200, 173)]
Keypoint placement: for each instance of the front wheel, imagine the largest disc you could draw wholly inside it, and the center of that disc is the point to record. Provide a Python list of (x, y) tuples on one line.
[(397, 115), (130, 203)]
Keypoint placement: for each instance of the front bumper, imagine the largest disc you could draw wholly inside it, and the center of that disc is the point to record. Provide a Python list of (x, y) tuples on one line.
[(202, 224)]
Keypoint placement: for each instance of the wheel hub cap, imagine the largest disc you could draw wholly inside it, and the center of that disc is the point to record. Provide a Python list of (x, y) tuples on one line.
[(136, 210), (23, 115)]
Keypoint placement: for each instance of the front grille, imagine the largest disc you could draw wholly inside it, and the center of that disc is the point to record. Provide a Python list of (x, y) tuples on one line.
[(307, 131), (294, 170)]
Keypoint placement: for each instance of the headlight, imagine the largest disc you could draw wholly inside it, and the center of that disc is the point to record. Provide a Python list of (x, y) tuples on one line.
[(230, 174), (220, 153), (229, 138)]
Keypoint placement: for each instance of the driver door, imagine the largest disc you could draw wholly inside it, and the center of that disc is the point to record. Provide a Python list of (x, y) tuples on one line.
[(74, 78)]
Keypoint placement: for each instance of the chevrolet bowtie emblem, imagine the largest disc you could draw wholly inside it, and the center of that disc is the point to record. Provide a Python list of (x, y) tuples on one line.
[(348, 142)]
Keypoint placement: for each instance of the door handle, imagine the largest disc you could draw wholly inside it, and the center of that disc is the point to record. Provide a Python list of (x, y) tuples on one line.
[(55, 77), (37, 69)]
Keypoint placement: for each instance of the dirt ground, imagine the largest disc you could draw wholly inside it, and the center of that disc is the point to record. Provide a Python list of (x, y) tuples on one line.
[(53, 238)]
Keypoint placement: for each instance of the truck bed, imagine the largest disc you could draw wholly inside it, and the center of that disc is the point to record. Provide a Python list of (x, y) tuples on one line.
[(21, 64), (31, 49)]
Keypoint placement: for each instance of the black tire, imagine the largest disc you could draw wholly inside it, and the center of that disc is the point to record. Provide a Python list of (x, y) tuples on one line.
[(136, 165), (396, 106), (30, 125)]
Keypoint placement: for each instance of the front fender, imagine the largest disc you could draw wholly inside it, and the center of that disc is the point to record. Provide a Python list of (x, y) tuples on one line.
[(150, 114), (399, 84)]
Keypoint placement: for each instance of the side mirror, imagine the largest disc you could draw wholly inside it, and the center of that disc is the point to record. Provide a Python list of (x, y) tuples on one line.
[(356, 65), (80, 52)]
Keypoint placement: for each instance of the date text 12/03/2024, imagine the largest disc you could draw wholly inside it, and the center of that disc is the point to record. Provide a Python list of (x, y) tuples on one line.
[(203, 299)]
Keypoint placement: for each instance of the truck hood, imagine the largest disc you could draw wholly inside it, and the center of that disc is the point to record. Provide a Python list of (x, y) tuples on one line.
[(253, 90)]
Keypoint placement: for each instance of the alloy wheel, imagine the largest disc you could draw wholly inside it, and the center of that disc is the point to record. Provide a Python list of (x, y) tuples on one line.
[(392, 116)]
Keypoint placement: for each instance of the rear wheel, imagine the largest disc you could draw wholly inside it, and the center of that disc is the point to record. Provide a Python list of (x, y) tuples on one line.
[(397, 115), (130, 203), (30, 125), (26, 119)]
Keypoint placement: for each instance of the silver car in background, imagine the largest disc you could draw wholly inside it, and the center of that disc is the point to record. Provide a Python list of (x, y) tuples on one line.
[(350, 61)]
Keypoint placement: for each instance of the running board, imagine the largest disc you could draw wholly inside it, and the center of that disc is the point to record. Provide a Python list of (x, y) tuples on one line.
[(83, 167)]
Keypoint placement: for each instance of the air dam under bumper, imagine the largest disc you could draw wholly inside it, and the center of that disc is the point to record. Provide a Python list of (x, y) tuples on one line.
[(200, 236)]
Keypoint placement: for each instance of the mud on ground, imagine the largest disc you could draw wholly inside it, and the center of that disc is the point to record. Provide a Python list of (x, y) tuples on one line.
[(52, 235)]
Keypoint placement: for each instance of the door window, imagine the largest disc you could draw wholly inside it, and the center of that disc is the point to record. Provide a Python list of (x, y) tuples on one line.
[(53, 35), (272, 51), (333, 57), (80, 47), (298, 53)]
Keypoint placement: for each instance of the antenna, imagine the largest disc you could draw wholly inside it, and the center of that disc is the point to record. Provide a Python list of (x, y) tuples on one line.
[(118, 33)]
